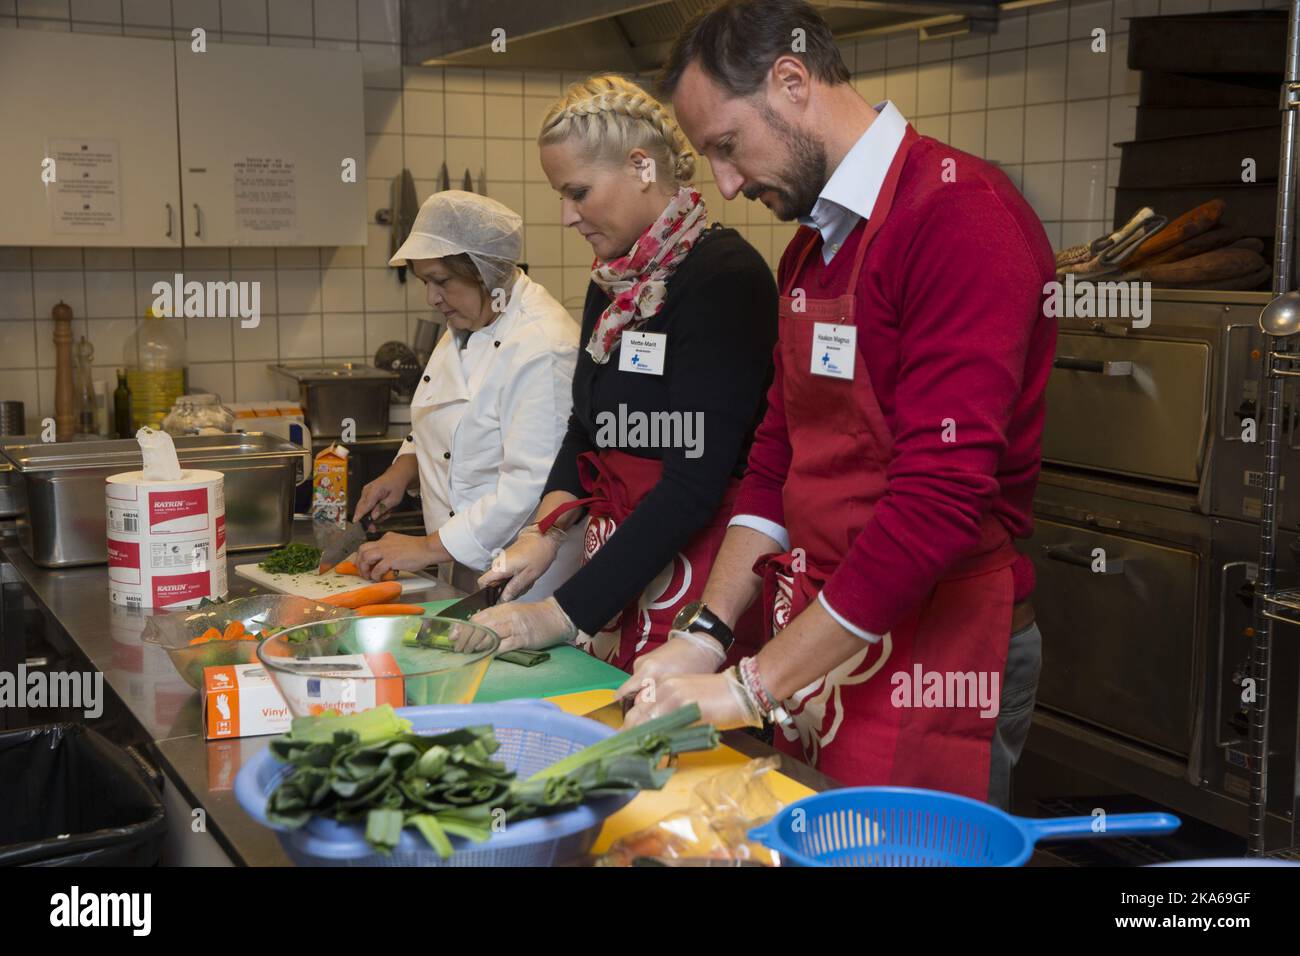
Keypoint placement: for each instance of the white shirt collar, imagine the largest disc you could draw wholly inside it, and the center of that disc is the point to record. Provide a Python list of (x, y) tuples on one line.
[(850, 193)]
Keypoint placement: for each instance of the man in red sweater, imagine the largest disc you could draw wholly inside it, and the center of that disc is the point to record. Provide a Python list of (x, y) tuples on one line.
[(901, 445)]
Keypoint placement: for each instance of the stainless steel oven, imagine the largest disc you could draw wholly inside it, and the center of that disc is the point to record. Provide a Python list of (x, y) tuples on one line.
[(1142, 661), (1145, 543)]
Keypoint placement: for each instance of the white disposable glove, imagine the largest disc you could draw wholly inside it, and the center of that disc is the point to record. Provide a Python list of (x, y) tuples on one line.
[(685, 652), (523, 562), (724, 702), (528, 625)]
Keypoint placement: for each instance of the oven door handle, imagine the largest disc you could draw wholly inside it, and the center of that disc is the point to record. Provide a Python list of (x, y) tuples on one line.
[(1068, 555), (1096, 366)]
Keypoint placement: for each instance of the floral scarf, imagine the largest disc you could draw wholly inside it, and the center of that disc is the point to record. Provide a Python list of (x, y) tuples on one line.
[(636, 283)]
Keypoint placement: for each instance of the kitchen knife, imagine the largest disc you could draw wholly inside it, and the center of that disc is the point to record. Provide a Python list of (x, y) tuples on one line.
[(337, 542), (611, 714), (467, 607)]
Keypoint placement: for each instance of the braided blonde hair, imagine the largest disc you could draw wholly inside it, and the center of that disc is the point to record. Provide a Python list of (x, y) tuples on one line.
[(609, 116)]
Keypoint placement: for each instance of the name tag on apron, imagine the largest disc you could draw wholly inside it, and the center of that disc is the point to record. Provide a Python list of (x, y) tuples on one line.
[(834, 349), (643, 352)]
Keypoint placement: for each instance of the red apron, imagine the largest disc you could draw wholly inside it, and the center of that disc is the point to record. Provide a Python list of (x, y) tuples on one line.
[(616, 482), (861, 723)]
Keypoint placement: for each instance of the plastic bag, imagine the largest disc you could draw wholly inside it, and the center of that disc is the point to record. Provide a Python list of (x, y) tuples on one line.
[(722, 811), (71, 798)]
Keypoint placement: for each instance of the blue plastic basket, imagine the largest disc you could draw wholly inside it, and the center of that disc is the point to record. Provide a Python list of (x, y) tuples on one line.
[(533, 735), (905, 826)]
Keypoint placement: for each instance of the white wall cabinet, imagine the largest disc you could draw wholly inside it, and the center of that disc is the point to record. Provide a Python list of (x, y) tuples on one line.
[(264, 133), (157, 145), (113, 101)]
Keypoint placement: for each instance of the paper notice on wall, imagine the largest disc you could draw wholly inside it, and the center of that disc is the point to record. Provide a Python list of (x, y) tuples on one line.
[(266, 195), (85, 194)]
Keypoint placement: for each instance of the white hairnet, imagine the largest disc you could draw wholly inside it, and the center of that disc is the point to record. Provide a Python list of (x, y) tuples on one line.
[(453, 222)]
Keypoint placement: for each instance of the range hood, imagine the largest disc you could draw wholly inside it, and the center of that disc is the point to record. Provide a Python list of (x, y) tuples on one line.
[(626, 37)]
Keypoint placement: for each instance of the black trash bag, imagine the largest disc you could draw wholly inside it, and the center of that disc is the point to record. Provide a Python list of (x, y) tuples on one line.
[(68, 797)]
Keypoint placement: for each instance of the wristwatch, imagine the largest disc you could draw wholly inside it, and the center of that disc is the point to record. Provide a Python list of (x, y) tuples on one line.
[(697, 618)]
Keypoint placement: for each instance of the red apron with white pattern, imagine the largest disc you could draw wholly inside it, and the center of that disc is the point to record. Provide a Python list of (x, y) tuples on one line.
[(616, 483), (854, 724)]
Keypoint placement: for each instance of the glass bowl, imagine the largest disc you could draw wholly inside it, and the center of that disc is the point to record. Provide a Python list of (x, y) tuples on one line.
[(258, 614), (355, 663)]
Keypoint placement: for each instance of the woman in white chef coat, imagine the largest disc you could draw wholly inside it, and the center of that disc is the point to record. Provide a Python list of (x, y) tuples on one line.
[(491, 408)]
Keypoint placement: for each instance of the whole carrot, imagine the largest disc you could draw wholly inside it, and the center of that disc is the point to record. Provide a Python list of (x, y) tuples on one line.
[(381, 593), (377, 610), (348, 567)]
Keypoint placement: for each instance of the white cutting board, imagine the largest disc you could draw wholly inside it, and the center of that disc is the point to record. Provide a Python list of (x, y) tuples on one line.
[(309, 584)]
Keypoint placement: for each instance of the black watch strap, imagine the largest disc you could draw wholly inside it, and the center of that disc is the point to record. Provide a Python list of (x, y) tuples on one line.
[(696, 618)]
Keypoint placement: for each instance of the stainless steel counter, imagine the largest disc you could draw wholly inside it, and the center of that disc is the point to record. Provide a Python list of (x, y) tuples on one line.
[(139, 679), (164, 711)]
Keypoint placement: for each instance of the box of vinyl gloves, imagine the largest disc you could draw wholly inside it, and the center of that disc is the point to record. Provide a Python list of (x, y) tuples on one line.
[(241, 700)]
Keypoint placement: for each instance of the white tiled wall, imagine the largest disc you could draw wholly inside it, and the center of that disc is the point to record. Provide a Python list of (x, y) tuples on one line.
[(1033, 98)]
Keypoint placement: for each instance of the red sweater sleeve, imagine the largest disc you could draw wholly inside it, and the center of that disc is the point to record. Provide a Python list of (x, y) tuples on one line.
[(968, 292)]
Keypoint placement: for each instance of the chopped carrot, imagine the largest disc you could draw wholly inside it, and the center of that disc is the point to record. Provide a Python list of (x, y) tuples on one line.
[(211, 634), (234, 631), (372, 610), (380, 593)]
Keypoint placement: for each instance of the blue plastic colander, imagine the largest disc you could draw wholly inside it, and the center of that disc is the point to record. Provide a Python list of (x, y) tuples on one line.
[(905, 826), (533, 734)]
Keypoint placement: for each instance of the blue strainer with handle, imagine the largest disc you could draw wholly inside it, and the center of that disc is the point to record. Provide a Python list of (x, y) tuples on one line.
[(905, 826)]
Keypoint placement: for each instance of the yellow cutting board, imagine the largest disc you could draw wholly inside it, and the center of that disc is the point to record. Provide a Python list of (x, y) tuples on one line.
[(651, 806)]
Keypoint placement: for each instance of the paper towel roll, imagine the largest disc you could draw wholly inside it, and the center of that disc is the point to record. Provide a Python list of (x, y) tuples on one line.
[(166, 539)]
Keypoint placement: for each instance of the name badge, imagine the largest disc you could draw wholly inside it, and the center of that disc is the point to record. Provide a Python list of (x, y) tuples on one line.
[(834, 349), (643, 352)]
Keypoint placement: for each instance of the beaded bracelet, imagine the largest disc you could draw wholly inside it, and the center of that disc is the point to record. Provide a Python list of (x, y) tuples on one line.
[(771, 711), (754, 715)]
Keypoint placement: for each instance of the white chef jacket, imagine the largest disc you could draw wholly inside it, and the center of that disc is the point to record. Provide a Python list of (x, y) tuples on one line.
[(486, 424)]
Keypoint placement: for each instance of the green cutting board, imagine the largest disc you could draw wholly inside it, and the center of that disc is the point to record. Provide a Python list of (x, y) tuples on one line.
[(567, 672)]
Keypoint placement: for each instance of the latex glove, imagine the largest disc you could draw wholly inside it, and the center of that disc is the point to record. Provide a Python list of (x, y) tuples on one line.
[(394, 552), (683, 653), (723, 701), (386, 490), (523, 562), (528, 625)]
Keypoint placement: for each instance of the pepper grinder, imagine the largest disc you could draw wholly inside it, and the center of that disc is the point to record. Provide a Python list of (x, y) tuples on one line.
[(65, 408)]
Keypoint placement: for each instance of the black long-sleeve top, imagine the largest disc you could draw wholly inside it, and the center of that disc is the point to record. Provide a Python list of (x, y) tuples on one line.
[(719, 316)]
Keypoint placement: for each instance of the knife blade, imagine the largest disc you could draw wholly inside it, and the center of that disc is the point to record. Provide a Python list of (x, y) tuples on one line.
[(611, 714), (467, 607), (337, 542)]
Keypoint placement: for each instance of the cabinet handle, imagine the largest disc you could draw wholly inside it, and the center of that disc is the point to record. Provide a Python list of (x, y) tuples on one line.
[(169, 220), (1068, 555), (198, 222), (1096, 366)]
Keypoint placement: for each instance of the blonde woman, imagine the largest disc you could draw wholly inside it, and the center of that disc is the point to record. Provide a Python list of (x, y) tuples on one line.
[(677, 336)]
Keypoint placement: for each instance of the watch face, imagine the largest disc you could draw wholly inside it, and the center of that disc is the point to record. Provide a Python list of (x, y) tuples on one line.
[(686, 616)]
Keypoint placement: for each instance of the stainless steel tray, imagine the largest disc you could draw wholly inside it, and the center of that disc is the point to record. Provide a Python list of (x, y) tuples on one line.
[(63, 486), (334, 394)]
